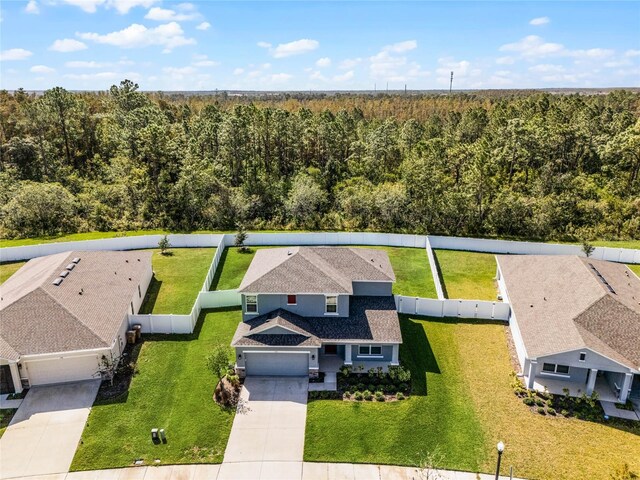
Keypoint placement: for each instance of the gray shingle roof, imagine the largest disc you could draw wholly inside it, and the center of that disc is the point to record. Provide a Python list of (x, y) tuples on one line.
[(38, 317), (315, 270), (562, 304), (371, 319)]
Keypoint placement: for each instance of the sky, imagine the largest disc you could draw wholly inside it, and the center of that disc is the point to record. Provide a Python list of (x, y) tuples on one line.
[(300, 45)]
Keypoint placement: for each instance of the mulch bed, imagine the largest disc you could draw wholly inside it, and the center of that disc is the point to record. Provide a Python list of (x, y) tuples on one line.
[(122, 379)]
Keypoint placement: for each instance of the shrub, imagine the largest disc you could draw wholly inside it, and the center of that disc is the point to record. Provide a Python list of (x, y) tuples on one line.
[(379, 388), (371, 387), (404, 387), (564, 413), (378, 394), (539, 402), (367, 395), (541, 410), (347, 394), (360, 386), (234, 380), (400, 396), (551, 411), (358, 396), (399, 374), (528, 401)]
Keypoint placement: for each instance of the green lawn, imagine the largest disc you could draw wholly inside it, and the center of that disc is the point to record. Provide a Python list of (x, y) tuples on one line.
[(467, 274), (178, 279), (468, 407), (411, 266), (8, 269), (6, 414), (173, 390), (635, 268)]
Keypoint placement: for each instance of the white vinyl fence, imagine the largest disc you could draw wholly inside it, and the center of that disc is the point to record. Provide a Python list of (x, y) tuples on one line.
[(469, 309), (434, 270)]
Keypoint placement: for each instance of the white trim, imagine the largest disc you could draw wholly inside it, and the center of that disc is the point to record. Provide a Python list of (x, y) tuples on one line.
[(326, 297), (246, 304), (551, 374), (585, 357), (369, 356)]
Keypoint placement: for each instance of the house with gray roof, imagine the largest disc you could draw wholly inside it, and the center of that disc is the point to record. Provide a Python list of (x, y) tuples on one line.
[(312, 309), (575, 322), (59, 314)]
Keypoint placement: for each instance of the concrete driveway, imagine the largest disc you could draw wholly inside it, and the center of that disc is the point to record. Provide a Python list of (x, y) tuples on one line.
[(268, 431), (43, 436)]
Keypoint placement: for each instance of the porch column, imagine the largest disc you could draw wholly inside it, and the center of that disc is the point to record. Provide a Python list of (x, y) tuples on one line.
[(15, 376), (533, 364), (626, 385), (347, 354), (591, 384), (394, 355)]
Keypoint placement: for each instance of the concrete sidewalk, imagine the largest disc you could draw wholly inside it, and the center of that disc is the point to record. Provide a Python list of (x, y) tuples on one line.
[(267, 470)]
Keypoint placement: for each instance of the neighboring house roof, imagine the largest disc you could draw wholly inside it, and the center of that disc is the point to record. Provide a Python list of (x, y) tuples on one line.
[(566, 303), (371, 320), (85, 311), (315, 270)]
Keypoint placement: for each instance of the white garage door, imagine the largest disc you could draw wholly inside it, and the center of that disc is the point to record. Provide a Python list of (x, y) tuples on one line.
[(277, 364), (60, 370)]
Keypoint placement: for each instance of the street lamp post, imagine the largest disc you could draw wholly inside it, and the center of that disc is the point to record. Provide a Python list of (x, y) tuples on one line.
[(500, 448)]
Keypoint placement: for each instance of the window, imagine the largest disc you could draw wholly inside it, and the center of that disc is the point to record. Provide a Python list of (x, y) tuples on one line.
[(331, 304), (251, 304), (583, 356), (553, 368), (369, 350), (291, 300)]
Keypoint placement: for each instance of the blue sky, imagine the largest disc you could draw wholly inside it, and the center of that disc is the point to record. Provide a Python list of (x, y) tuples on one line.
[(163, 45)]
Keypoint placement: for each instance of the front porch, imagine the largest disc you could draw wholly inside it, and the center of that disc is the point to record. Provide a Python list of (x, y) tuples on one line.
[(576, 389)]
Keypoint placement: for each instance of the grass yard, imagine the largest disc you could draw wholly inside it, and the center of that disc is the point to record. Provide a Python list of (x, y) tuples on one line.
[(178, 279), (6, 414), (635, 268), (8, 269), (468, 407), (467, 275), (411, 266), (173, 390)]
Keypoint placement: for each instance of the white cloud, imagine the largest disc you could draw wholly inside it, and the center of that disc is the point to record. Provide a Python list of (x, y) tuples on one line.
[(317, 75), (206, 63), (83, 64), (533, 46), (89, 6), (349, 63), (238, 71), (280, 77), (67, 45), (465, 74), (179, 70), (15, 54), (546, 68), (591, 53), (625, 62), (264, 45), (41, 69), (167, 15), (344, 77), (401, 47), (296, 47), (632, 53), (564, 78), (32, 7), (203, 26), (323, 62), (505, 60), (101, 76), (539, 21), (169, 35)]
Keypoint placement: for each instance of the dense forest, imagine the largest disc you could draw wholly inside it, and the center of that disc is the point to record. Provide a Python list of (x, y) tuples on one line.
[(530, 165)]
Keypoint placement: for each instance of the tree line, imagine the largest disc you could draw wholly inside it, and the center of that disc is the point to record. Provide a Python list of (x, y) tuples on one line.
[(527, 165)]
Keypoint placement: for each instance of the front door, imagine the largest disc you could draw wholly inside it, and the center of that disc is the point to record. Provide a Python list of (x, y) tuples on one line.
[(6, 380), (330, 349)]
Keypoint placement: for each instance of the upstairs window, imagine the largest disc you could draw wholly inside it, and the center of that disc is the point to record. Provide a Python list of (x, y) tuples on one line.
[(331, 305), (251, 304), (292, 300), (583, 356)]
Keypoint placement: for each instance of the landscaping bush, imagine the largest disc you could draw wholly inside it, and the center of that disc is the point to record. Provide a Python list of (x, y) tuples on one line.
[(400, 396), (371, 387), (379, 396), (564, 413), (551, 411), (529, 401), (347, 394), (541, 410), (360, 386), (367, 395), (399, 374), (539, 402), (358, 396)]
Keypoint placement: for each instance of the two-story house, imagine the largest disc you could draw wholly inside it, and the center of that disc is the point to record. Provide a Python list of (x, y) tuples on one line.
[(305, 306)]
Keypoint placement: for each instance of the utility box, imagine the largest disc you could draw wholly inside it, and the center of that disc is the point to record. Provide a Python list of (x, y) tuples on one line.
[(138, 329), (131, 336), (154, 435)]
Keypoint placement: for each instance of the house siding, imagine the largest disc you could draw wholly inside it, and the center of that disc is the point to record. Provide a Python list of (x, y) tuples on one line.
[(306, 306), (592, 360), (372, 289)]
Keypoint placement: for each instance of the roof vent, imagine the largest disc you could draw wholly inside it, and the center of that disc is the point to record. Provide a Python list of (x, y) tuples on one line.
[(70, 266), (76, 260), (602, 279), (57, 281), (64, 273), (288, 252)]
